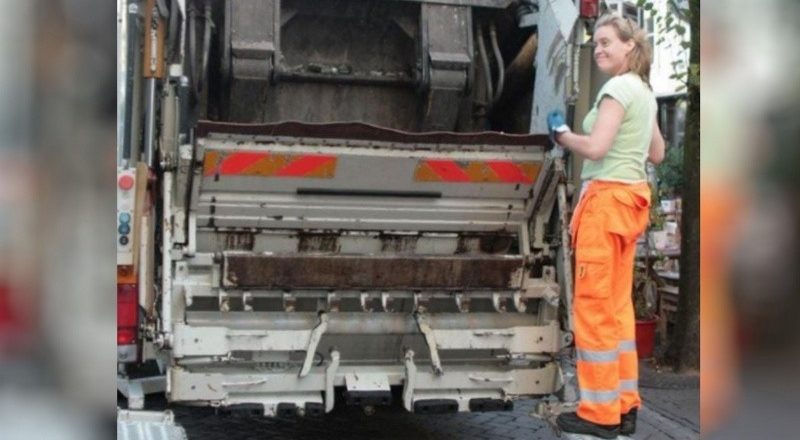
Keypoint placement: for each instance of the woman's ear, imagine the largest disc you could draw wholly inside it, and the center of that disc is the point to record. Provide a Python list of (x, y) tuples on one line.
[(629, 45)]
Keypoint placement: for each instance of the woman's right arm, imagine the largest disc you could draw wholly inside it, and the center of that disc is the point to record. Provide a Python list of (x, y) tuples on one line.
[(656, 154)]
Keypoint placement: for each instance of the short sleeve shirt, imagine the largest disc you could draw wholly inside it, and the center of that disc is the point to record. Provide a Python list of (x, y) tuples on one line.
[(625, 161)]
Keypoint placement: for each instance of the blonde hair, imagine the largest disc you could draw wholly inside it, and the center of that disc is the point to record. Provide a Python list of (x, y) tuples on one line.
[(640, 58)]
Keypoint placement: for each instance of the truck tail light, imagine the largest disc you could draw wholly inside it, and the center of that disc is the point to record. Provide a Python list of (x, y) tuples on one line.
[(127, 307), (590, 8), (127, 314)]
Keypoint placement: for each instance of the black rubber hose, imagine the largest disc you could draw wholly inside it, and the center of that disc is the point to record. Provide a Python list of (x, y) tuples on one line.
[(487, 71), (498, 57), (193, 50), (206, 44)]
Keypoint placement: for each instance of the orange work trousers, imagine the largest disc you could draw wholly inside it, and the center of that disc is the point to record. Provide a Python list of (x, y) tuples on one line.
[(607, 222)]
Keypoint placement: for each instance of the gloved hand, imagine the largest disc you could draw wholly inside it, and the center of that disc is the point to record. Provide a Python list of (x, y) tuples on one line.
[(556, 124)]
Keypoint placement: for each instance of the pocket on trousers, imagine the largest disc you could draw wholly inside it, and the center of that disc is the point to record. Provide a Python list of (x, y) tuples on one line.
[(593, 274), (630, 215), (631, 199)]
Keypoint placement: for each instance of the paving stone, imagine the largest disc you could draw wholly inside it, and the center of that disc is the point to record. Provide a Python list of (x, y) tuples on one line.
[(669, 413)]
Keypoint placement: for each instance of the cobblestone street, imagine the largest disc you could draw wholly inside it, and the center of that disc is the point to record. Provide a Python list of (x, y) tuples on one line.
[(394, 424), (671, 412), (386, 424)]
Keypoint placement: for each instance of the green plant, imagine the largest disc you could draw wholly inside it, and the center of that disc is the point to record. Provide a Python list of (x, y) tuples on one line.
[(670, 173), (645, 292), (656, 216)]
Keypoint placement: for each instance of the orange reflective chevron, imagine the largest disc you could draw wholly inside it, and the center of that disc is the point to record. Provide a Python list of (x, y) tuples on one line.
[(264, 164), (492, 171)]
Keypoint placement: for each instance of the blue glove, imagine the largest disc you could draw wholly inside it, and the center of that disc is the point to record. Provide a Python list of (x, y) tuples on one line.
[(556, 124)]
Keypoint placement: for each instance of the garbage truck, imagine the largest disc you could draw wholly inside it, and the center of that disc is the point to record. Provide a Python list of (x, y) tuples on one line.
[(344, 202)]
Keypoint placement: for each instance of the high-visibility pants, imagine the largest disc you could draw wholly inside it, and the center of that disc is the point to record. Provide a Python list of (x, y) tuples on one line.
[(607, 222)]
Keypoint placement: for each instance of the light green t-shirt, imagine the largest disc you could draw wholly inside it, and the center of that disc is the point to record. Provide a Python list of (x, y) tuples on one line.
[(625, 161)]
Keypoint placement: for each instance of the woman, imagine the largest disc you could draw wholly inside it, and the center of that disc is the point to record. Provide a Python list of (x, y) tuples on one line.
[(612, 213)]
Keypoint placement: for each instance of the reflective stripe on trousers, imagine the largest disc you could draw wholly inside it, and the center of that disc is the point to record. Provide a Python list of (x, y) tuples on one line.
[(607, 222), (607, 356)]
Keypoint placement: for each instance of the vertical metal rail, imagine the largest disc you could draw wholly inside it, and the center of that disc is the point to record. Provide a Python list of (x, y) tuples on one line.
[(127, 50), (150, 120), (166, 257), (565, 253), (154, 71)]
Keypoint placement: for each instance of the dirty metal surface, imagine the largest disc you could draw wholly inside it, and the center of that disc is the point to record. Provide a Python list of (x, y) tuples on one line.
[(399, 244), (367, 132), (317, 242), (296, 271), (487, 243), (239, 240)]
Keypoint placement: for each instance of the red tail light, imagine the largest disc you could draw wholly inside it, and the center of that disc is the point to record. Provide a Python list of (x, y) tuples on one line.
[(127, 314), (590, 8)]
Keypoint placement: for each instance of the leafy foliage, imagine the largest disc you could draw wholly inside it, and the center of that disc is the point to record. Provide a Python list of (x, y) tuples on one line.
[(670, 172), (673, 23)]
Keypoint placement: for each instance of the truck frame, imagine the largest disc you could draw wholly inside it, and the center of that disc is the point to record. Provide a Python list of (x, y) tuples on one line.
[(346, 202)]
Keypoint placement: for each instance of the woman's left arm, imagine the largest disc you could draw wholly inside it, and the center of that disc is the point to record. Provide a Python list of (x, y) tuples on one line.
[(595, 145), (656, 152)]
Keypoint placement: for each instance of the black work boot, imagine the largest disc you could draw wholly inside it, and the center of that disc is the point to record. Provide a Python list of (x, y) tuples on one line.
[(572, 423), (628, 423)]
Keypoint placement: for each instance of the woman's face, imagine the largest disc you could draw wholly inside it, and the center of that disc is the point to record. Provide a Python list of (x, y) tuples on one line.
[(611, 53)]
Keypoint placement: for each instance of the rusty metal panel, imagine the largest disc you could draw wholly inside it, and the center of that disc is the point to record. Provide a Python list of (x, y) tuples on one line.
[(350, 242), (295, 271)]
